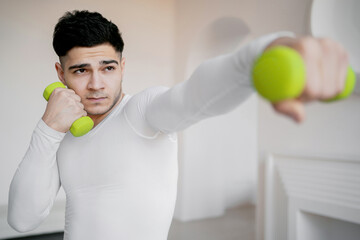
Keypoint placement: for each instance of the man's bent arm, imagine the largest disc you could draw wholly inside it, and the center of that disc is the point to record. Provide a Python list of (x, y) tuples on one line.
[(36, 181), (216, 87)]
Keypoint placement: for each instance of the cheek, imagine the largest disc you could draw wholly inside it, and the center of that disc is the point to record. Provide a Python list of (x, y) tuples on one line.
[(78, 84), (115, 85)]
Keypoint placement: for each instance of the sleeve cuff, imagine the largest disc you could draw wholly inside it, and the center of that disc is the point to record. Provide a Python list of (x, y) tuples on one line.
[(246, 56), (48, 131), (264, 41)]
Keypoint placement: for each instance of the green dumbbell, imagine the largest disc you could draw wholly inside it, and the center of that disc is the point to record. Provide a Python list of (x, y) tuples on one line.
[(82, 125), (279, 74)]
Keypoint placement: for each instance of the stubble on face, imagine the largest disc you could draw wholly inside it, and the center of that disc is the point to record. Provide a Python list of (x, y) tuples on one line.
[(116, 101)]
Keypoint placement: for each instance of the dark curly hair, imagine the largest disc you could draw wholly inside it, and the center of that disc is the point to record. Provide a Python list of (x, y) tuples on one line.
[(85, 29)]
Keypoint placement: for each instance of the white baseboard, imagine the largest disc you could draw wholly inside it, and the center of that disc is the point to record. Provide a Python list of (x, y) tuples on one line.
[(53, 223)]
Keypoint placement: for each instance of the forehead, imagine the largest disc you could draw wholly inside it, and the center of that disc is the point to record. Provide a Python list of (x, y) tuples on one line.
[(92, 55)]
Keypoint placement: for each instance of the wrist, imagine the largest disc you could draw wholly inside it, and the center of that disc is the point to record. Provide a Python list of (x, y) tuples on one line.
[(281, 41), (46, 130), (52, 124)]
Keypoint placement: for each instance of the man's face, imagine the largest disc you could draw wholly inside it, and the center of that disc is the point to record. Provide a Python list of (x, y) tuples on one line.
[(95, 74)]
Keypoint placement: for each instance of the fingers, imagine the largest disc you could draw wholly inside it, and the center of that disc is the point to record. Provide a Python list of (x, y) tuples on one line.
[(63, 108), (326, 64), (82, 109), (343, 67), (293, 108), (69, 95), (74, 95), (334, 65), (76, 101)]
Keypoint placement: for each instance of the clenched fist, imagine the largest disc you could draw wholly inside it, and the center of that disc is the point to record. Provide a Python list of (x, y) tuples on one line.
[(326, 63), (63, 108)]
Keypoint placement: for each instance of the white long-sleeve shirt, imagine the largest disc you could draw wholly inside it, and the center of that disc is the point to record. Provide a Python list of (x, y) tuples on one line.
[(120, 179)]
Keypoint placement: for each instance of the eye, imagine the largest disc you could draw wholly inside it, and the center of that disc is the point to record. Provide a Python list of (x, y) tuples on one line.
[(79, 71), (109, 68)]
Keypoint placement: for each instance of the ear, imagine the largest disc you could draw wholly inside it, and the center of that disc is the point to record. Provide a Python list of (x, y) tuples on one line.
[(122, 65), (60, 73)]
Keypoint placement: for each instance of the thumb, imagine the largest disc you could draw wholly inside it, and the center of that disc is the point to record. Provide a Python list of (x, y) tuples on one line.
[(292, 108)]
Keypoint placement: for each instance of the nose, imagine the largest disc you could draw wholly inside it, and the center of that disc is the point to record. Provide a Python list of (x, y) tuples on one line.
[(96, 82)]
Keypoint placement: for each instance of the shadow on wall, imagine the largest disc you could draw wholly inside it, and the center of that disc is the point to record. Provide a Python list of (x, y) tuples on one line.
[(222, 36), (226, 145)]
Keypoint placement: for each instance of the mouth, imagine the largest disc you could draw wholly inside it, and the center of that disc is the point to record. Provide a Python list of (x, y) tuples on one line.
[(96, 99)]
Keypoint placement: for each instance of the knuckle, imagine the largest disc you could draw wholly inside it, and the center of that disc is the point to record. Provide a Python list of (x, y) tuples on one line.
[(323, 41), (79, 111), (70, 90), (308, 46), (69, 100), (304, 43), (308, 41), (58, 91), (74, 97), (327, 43), (64, 93)]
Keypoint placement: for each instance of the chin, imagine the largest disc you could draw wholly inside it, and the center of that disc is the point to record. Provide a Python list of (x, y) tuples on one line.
[(97, 110), (101, 108)]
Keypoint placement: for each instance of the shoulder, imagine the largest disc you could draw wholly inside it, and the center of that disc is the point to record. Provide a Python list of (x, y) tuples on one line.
[(136, 107), (143, 99), (149, 93)]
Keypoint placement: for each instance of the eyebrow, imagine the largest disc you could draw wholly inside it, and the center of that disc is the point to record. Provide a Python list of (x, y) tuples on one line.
[(82, 65), (103, 62)]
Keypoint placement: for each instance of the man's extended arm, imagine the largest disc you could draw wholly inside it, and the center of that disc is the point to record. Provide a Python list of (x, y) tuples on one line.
[(220, 84), (217, 86)]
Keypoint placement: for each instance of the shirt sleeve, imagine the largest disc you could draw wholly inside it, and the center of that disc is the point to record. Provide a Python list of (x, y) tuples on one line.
[(36, 181), (216, 87)]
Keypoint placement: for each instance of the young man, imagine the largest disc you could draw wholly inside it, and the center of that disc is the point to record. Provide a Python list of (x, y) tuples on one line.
[(120, 179)]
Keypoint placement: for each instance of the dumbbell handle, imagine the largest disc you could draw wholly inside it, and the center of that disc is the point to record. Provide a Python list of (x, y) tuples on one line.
[(279, 74), (80, 126)]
